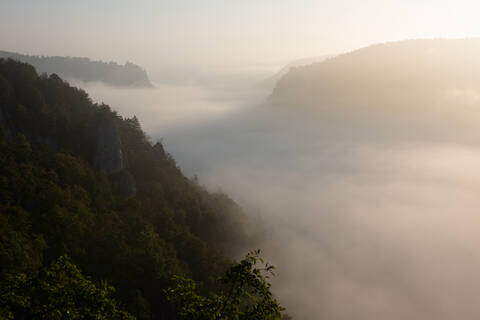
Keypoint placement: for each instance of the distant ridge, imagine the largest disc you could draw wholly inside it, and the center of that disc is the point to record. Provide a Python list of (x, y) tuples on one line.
[(404, 73), (86, 70)]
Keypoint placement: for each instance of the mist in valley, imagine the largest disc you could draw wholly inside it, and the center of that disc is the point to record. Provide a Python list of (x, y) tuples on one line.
[(367, 212)]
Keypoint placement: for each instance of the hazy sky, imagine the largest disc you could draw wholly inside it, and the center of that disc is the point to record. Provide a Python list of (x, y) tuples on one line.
[(224, 32)]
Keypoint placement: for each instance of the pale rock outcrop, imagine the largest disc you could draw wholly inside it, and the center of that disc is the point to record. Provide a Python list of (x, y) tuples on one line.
[(109, 158)]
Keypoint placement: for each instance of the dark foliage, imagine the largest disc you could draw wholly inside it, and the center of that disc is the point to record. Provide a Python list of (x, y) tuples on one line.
[(58, 292)]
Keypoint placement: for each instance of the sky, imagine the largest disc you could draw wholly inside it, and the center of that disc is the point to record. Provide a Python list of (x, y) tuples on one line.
[(224, 33)]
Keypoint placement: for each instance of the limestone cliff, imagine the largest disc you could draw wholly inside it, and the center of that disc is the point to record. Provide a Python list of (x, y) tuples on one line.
[(109, 158)]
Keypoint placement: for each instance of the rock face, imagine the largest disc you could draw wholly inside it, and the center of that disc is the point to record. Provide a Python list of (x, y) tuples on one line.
[(109, 158)]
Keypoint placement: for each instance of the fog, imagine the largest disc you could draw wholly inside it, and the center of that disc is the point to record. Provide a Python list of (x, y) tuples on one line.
[(366, 215)]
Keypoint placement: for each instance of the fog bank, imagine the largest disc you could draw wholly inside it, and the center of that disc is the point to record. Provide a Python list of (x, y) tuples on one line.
[(366, 216), (366, 223)]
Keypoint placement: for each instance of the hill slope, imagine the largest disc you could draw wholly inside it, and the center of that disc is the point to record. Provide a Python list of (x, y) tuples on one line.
[(76, 179), (403, 73)]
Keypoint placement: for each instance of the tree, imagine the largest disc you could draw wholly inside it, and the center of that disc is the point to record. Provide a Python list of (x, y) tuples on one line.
[(58, 292), (244, 294)]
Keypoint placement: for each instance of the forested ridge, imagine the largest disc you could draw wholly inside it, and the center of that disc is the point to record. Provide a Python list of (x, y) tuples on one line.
[(84, 69), (68, 230), (403, 73)]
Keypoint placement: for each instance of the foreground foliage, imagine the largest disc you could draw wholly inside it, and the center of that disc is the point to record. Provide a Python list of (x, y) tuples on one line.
[(58, 292)]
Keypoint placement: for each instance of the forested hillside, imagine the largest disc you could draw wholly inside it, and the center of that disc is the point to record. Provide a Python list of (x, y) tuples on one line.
[(406, 75), (84, 69), (86, 195)]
